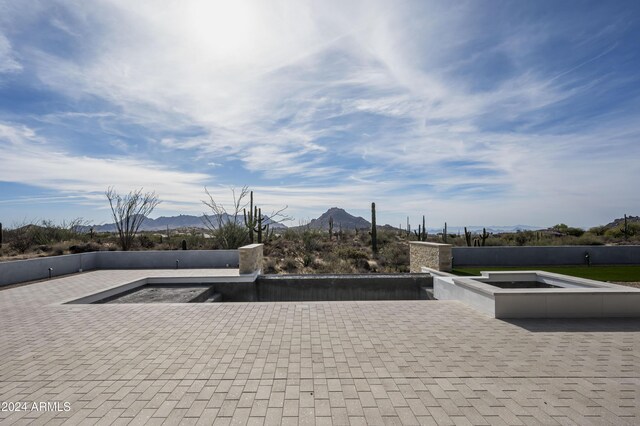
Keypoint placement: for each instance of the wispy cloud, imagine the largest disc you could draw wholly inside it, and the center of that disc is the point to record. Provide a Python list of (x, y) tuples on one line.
[(8, 62)]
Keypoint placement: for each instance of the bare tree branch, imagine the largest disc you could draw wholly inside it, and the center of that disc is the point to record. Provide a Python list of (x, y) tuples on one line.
[(223, 223), (129, 211)]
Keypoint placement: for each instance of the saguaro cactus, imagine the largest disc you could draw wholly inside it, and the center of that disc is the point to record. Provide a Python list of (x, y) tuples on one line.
[(1, 240), (250, 219), (444, 233), (330, 227), (253, 221), (259, 227), (422, 231), (484, 236), (467, 236), (626, 228), (268, 234), (374, 232)]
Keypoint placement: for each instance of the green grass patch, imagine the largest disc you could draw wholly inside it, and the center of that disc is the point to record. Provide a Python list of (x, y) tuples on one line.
[(600, 273)]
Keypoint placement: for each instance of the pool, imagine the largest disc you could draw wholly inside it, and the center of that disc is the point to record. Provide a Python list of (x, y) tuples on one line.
[(269, 288)]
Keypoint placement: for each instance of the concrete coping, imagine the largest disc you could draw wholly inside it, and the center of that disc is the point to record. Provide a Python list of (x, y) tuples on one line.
[(436, 273)]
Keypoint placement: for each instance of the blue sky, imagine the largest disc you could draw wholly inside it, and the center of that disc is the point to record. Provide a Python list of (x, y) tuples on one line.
[(474, 113)]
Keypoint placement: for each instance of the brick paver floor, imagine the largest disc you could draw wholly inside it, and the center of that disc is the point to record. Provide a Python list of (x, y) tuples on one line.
[(395, 362)]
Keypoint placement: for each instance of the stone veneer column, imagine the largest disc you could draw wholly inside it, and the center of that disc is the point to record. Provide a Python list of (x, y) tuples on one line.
[(432, 255), (251, 259)]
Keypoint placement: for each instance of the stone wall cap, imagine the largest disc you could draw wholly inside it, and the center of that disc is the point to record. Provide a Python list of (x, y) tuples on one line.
[(424, 243), (250, 246)]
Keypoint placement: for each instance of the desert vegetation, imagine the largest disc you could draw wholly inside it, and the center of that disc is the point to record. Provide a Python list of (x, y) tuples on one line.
[(323, 245)]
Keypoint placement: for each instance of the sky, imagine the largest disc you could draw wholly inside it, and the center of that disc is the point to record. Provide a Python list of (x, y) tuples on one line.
[(471, 112)]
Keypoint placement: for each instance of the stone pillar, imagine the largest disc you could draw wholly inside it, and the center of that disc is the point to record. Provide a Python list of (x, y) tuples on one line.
[(432, 255), (251, 259)]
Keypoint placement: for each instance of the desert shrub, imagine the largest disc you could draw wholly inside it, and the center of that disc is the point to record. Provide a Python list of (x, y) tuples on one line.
[(385, 237), (84, 247), (494, 241), (335, 265), (589, 240), (230, 236), (269, 266), (21, 239), (311, 240), (348, 252), (568, 230), (395, 257), (307, 259), (291, 234), (58, 249), (575, 232), (362, 265), (520, 240), (146, 242), (290, 264), (598, 230)]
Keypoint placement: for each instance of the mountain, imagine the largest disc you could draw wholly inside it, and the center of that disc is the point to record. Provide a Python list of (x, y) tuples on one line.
[(618, 223), (176, 222), (340, 218)]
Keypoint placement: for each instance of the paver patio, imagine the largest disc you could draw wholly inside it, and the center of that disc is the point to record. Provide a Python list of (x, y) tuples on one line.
[(395, 362)]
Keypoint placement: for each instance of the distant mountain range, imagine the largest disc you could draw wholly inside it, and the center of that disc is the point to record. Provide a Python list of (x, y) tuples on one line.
[(494, 229), (178, 222), (341, 218)]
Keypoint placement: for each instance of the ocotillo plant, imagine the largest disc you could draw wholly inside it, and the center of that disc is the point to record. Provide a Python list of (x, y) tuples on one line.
[(330, 227), (467, 236), (374, 231), (484, 236)]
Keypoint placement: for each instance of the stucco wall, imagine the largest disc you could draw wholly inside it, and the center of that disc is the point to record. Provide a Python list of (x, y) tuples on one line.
[(543, 256), (36, 269)]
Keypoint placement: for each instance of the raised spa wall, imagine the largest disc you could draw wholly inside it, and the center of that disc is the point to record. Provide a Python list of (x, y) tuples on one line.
[(574, 297)]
